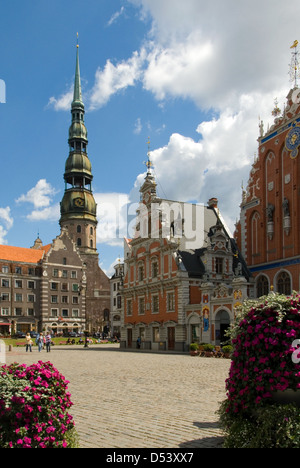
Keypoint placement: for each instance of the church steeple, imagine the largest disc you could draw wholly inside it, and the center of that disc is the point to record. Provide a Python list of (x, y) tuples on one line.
[(77, 97), (78, 206)]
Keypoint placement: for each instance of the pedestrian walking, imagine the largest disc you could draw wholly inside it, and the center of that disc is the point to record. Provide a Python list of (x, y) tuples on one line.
[(40, 342), (48, 343), (29, 343)]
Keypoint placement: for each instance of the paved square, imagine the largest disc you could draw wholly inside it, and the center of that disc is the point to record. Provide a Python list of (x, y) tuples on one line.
[(128, 399)]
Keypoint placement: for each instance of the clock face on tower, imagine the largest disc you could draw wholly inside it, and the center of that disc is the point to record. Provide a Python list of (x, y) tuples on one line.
[(79, 202), (292, 141)]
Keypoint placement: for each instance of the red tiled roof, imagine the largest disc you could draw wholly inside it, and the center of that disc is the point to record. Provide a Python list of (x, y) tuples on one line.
[(22, 255)]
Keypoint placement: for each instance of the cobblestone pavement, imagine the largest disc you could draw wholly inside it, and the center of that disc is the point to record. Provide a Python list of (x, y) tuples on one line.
[(126, 399)]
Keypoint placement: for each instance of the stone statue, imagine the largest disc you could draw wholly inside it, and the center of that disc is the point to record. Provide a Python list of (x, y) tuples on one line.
[(286, 207), (270, 212)]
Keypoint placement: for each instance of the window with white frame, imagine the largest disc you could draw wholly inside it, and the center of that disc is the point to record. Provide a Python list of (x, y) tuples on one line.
[(155, 304), (141, 306), (30, 297), (170, 301), (284, 283), (5, 283), (129, 307), (19, 297), (141, 272), (19, 284), (154, 268)]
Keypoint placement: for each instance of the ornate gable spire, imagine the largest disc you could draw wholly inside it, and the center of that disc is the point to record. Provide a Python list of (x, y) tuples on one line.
[(148, 189)]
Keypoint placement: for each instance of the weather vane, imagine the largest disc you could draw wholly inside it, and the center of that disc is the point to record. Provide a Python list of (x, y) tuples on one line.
[(149, 163), (294, 66)]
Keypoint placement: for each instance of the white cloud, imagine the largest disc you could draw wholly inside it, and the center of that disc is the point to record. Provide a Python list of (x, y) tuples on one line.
[(174, 71), (5, 216), (115, 78), (112, 218), (52, 213), (211, 52), (227, 56), (6, 223), (40, 196), (116, 16), (216, 164), (63, 103), (138, 127)]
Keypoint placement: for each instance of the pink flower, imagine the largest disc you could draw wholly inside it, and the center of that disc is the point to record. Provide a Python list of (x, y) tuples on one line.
[(50, 429)]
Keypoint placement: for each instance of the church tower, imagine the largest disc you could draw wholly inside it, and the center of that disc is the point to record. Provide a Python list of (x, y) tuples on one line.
[(79, 214), (78, 206)]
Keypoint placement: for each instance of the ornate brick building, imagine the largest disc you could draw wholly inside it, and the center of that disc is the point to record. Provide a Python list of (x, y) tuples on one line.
[(183, 277), (42, 288), (268, 230)]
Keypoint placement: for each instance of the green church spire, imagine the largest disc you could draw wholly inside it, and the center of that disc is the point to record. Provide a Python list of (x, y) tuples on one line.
[(78, 205), (77, 98)]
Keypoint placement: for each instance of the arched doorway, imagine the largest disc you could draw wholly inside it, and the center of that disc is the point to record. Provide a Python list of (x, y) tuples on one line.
[(222, 323)]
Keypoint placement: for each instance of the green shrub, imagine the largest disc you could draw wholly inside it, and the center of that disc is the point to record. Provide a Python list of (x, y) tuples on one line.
[(194, 347), (272, 426), (227, 349), (208, 347)]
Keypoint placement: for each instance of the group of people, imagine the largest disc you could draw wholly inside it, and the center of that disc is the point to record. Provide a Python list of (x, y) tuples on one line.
[(40, 341)]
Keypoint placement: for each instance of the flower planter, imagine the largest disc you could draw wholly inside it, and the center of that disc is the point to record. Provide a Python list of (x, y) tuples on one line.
[(287, 397), (194, 353)]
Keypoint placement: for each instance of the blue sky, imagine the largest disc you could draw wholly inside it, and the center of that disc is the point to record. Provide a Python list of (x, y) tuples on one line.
[(194, 76)]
